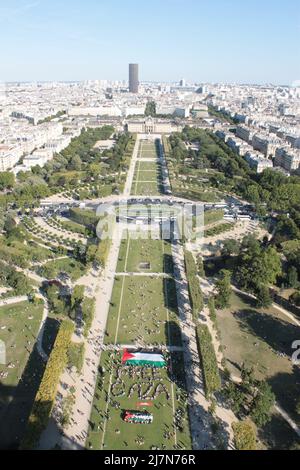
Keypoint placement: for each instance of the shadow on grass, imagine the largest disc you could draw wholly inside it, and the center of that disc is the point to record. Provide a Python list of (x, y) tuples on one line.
[(168, 263), (17, 401), (278, 435), (278, 334), (50, 332), (170, 297), (286, 388), (172, 334)]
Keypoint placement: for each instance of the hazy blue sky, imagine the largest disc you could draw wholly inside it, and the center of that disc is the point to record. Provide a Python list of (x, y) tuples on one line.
[(214, 40)]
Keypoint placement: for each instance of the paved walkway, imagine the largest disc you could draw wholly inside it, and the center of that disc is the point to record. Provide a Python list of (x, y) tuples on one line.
[(287, 418), (278, 307), (144, 274), (56, 231), (219, 354), (39, 341), (75, 435), (13, 300), (162, 347), (200, 417)]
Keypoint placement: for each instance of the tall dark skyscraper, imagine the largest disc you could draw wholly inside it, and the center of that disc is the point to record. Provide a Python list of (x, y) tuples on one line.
[(133, 78)]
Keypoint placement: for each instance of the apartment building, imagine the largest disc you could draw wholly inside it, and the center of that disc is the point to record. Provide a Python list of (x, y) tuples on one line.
[(258, 162), (287, 158)]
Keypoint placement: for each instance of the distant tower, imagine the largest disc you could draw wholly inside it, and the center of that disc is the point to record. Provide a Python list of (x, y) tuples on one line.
[(182, 82), (133, 78)]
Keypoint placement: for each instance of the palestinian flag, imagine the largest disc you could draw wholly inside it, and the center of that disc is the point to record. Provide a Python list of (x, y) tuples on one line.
[(143, 359)]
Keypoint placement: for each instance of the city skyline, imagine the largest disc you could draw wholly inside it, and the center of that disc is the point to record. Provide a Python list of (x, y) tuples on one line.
[(150, 228), (230, 43)]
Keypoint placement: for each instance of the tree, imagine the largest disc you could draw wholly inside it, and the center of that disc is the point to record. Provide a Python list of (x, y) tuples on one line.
[(286, 229), (298, 408), (262, 404), (244, 435), (234, 396), (263, 296), (295, 298), (292, 277), (7, 180), (253, 194), (150, 109), (75, 163), (223, 288), (77, 296), (19, 282), (9, 224), (258, 266), (230, 247), (200, 266), (212, 309)]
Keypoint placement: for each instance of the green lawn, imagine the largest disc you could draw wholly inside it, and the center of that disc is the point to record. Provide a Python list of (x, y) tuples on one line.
[(147, 188), (147, 175), (20, 330), (165, 388), (148, 166), (147, 150), (133, 252), (194, 194), (256, 337), (143, 309), (147, 183), (18, 389), (52, 269)]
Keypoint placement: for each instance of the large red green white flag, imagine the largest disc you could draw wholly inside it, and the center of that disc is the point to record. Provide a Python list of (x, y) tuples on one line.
[(143, 359)]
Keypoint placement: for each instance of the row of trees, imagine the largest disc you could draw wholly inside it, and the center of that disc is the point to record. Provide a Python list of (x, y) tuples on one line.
[(196, 296), (212, 380), (256, 266), (251, 398), (46, 394)]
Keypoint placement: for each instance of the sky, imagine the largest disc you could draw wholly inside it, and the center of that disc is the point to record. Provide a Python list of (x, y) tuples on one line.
[(235, 41)]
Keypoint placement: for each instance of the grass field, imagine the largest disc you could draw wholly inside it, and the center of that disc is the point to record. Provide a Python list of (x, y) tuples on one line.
[(133, 252), (256, 337), (149, 188), (119, 388), (148, 166), (147, 176), (24, 368), (143, 310), (21, 322), (147, 149), (52, 269)]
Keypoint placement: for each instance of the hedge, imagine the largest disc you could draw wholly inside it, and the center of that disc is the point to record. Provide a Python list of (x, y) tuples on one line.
[(195, 293), (212, 310), (166, 146), (88, 311), (76, 356), (244, 435), (83, 216), (212, 380), (44, 400), (218, 229), (212, 216)]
